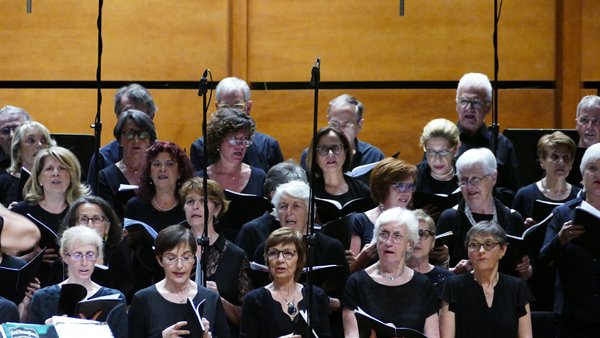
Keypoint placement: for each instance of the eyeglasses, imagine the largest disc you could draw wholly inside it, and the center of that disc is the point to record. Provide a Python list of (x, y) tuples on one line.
[(273, 254), (238, 106), (384, 236), (131, 134), (425, 234), (476, 103), (340, 125), (7, 130), (487, 246), (78, 256), (336, 149), (172, 259), (239, 141), (585, 120), (473, 181), (438, 153), (96, 220), (404, 187)]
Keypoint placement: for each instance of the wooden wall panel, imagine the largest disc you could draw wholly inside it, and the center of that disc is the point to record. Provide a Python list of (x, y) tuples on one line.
[(369, 41), (143, 40), (394, 119), (590, 46)]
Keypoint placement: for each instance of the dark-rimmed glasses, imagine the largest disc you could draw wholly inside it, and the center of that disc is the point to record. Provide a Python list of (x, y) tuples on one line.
[(336, 149), (140, 134), (288, 254), (487, 246)]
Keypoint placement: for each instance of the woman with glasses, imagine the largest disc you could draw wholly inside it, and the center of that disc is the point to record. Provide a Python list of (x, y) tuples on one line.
[(392, 185), (485, 303), (334, 156), (440, 141), (272, 311), (53, 186), (555, 152), (419, 256), (229, 136), (95, 213), (476, 169), (80, 248), (389, 290), (227, 266), (159, 310), (28, 139), (135, 132)]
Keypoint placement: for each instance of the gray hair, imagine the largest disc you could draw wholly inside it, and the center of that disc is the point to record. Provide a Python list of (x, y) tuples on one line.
[(8, 109), (476, 157), (232, 84), (401, 216), (80, 234), (281, 173), (487, 228), (476, 81), (350, 100), (294, 189), (591, 155), (137, 94), (588, 101)]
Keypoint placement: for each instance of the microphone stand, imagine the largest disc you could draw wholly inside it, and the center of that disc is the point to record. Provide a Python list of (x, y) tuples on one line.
[(203, 240), (97, 126), (310, 235), (495, 126)]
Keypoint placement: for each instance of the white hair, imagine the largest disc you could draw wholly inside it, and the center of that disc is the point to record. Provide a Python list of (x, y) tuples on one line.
[(401, 216), (475, 81), (232, 84), (482, 157), (295, 189)]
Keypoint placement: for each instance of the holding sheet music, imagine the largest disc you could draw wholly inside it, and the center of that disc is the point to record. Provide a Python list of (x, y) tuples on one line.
[(556, 153), (578, 265), (273, 311)]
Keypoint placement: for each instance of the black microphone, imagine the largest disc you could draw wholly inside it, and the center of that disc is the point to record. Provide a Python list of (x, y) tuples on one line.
[(203, 83), (315, 73), (28, 6)]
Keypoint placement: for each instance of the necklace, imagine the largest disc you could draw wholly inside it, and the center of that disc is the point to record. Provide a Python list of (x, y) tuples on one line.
[(157, 207), (472, 220), (291, 305), (387, 277), (555, 196), (122, 165), (445, 177), (180, 295)]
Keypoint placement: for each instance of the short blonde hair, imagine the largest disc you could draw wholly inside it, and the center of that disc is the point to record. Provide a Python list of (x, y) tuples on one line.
[(440, 128)]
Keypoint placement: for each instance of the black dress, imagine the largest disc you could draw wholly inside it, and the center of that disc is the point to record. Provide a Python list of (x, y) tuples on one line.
[(427, 184), (362, 227), (158, 220), (455, 220), (109, 180), (263, 317), (9, 189), (438, 276), (255, 232), (473, 317), (255, 183), (526, 196), (150, 313), (407, 305), (356, 189)]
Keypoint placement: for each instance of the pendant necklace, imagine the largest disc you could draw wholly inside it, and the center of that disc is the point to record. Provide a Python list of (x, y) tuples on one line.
[(291, 305), (390, 278)]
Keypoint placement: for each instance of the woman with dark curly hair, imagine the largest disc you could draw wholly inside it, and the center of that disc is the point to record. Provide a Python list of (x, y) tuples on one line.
[(229, 136), (157, 203)]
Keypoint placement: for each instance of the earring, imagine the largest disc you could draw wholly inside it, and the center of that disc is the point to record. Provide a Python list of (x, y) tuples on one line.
[(106, 236)]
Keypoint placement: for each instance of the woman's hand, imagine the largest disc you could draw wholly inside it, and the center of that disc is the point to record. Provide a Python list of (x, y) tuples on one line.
[(23, 307), (212, 286), (569, 231), (440, 254), (176, 331), (524, 268), (364, 258), (529, 222), (461, 267), (50, 256), (350, 258)]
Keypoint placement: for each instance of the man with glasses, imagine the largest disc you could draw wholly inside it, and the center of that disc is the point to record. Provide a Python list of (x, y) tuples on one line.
[(587, 123), (345, 113), (10, 118), (133, 96), (473, 103), (264, 152)]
